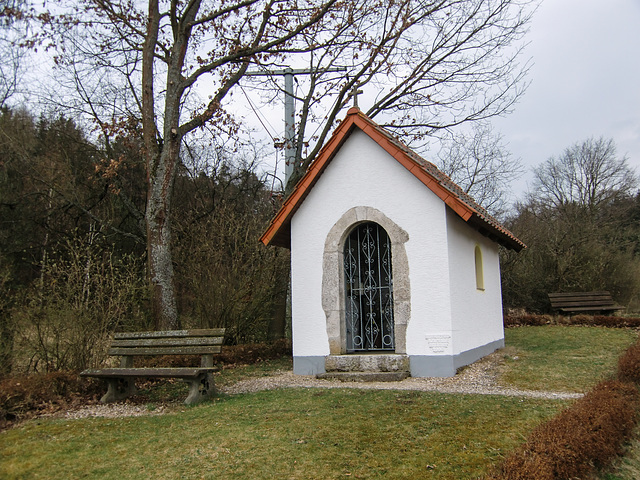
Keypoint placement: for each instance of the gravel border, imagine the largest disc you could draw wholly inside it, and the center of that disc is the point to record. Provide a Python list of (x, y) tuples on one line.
[(479, 378), (117, 410)]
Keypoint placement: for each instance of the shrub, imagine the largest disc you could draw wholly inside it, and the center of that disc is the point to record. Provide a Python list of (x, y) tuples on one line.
[(617, 322), (629, 364), (255, 352), (67, 317), (580, 319), (231, 355), (524, 319), (590, 432), (24, 396)]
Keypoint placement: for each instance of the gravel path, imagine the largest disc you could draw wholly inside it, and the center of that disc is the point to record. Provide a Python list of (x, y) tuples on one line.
[(480, 378)]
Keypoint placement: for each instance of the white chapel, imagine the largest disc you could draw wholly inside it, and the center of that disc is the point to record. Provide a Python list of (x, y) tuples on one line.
[(393, 267)]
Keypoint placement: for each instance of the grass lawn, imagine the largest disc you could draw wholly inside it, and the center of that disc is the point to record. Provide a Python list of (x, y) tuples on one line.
[(324, 434), (628, 467), (562, 358), (293, 434)]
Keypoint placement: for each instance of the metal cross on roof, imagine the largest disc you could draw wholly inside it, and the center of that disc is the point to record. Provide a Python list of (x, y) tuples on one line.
[(354, 93)]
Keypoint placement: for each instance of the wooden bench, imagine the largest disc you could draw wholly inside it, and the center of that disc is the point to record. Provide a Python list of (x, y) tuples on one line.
[(583, 302), (206, 343)]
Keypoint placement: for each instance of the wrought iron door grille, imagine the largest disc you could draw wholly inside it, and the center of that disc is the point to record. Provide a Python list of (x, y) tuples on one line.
[(369, 289)]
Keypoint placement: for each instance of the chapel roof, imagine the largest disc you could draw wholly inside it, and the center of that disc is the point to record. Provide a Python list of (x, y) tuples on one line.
[(279, 231)]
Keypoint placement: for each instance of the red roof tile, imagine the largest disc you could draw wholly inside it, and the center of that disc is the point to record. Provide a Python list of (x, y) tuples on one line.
[(279, 231)]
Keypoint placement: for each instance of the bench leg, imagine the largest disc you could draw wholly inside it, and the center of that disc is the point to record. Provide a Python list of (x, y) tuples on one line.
[(200, 388), (118, 389)]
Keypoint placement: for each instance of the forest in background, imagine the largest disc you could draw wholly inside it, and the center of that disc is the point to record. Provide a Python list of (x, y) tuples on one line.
[(131, 200), (72, 248)]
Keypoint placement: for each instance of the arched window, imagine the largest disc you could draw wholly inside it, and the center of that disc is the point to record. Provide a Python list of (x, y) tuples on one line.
[(479, 268)]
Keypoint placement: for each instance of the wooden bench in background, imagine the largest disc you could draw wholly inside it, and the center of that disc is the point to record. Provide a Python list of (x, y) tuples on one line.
[(204, 342), (583, 302)]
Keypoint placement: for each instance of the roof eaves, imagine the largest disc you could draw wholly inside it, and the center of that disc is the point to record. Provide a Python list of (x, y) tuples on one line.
[(280, 223), (409, 160), (278, 232)]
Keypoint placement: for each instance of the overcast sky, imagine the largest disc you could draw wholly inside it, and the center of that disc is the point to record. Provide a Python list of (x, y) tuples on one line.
[(585, 81)]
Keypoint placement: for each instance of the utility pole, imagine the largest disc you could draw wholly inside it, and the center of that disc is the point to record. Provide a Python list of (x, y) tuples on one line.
[(278, 324), (290, 110)]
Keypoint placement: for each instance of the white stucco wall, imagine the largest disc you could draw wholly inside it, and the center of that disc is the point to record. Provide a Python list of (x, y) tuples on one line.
[(476, 314), (363, 174)]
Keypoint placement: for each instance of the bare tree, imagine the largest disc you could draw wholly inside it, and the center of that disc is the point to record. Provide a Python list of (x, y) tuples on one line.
[(588, 174), (12, 34), (422, 66), (578, 223), (432, 64), (481, 165), (162, 52)]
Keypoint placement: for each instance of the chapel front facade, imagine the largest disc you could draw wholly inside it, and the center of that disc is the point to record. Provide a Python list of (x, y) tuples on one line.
[(392, 267)]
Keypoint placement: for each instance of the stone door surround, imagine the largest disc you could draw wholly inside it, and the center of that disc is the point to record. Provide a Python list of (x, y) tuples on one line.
[(333, 291)]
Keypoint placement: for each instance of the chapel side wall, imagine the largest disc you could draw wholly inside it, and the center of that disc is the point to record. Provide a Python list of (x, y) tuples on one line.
[(476, 314), (363, 174)]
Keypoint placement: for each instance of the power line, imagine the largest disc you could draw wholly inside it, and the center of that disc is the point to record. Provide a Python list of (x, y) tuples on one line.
[(290, 109), (258, 115)]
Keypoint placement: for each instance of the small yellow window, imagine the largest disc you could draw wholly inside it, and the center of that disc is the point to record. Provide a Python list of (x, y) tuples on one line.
[(479, 269)]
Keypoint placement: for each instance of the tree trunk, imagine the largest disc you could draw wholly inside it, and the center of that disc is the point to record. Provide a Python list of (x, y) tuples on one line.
[(162, 156), (163, 302), (163, 297)]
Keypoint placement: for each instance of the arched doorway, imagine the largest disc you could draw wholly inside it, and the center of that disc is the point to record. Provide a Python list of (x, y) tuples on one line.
[(368, 290)]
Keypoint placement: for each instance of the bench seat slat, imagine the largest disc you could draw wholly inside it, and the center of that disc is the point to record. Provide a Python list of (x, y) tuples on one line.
[(589, 309), (168, 342), (201, 350), (579, 300), (180, 372), (580, 294), (583, 302), (207, 332), (582, 299)]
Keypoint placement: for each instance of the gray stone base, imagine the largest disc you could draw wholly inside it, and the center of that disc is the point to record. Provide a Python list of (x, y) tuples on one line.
[(447, 365), (432, 366), (417, 365), (377, 362), (364, 376), (308, 365)]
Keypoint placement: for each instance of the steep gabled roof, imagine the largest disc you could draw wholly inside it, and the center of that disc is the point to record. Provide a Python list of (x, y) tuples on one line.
[(279, 231)]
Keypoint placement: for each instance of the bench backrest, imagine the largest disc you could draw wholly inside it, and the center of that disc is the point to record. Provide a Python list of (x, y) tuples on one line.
[(581, 299), (168, 342)]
